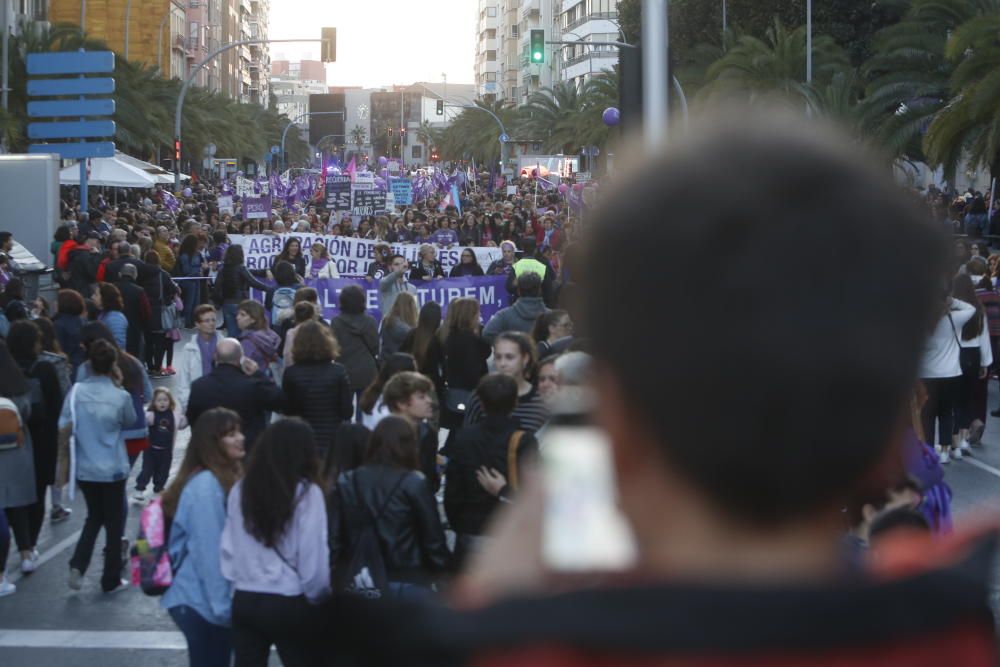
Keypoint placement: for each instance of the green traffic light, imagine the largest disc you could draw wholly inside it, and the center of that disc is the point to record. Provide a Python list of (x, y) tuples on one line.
[(537, 56)]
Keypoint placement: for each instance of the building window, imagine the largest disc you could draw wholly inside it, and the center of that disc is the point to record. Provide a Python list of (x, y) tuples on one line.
[(515, 31), (513, 92), (491, 56), (491, 12), (490, 76), (417, 152)]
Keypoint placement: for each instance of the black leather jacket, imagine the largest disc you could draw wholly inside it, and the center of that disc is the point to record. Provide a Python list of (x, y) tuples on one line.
[(409, 530)]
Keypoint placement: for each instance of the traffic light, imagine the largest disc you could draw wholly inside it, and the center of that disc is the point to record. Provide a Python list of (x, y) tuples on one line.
[(390, 131), (538, 46), (329, 46), (434, 155), (177, 150), (440, 107)]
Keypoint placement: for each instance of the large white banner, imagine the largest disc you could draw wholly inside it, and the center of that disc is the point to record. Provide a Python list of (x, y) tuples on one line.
[(353, 256)]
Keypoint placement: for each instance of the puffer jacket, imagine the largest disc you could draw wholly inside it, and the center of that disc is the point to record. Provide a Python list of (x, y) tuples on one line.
[(409, 529), (262, 346), (358, 338), (320, 393)]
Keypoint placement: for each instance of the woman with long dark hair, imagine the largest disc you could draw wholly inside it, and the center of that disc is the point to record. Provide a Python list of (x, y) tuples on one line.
[(515, 356), (99, 413), (160, 290), (465, 355), (292, 253), (274, 548), (200, 598), (17, 474), (25, 344), (467, 265), (357, 334), (317, 387), (233, 287), (425, 346), (189, 262), (975, 358), (397, 323), (389, 488), (551, 326)]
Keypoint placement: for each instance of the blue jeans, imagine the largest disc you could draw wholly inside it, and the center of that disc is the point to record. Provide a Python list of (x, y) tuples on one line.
[(229, 317), (191, 292), (209, 645), (399, 590)]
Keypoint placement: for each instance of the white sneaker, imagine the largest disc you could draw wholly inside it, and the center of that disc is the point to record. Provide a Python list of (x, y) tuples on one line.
[(964, 446), (6, 588), (29, 564), (139, 496), (937, 448), (943, 456), (75, 579), (956, 453)]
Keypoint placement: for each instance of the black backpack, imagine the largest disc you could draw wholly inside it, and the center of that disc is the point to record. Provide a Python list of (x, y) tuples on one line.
[(364, 572)]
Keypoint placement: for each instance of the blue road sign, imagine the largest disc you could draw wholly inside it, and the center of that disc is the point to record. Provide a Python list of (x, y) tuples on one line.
[(76, 151), (56, 108), (275, 150), (71, 62), (504, 138), (92, 86), (72, 130)]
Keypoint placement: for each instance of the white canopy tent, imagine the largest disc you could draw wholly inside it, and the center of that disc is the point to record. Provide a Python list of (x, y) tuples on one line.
[(121, 171)]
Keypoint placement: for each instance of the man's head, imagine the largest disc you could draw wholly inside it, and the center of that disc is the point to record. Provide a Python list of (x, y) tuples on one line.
[(228, 351), (124, 249), (397, 263), (204, 319), (498, 394), (163, 233), (826, 360), (6, 242), (529, 284), (409, 394), (129, 271)]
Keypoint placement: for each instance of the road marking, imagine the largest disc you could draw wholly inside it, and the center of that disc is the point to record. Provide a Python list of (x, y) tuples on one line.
[(78, 639), (14, 570), (982, 466)]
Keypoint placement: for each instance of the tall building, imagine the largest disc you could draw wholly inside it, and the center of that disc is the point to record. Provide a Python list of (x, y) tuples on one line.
[(176, 35), (153, 26), (292, 83), (504, 70), (487, 67), (586, 21)]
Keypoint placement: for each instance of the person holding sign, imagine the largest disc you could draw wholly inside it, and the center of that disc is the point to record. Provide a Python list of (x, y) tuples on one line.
[(394, 283)]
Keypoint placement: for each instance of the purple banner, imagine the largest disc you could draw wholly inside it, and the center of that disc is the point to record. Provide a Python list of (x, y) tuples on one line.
[(257, 207), (490, 291)]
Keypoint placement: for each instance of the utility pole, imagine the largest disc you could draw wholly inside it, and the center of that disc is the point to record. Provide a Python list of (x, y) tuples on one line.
[(655, 84), (6, 53)]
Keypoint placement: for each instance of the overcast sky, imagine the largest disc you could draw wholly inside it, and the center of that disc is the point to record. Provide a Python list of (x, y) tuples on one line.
[(382, 42)]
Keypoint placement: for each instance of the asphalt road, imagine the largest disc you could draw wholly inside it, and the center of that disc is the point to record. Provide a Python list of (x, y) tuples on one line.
[(45, 623)]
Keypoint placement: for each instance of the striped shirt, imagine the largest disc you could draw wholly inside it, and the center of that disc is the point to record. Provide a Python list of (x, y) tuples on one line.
[(531, 412)]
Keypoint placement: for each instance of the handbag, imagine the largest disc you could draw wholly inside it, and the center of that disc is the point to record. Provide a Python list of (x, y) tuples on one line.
[(456, 399), (66, 450), (968, 358)]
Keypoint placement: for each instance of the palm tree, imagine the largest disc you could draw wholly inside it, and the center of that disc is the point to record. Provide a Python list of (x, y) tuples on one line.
[(358, 136), (772, 67), (967, 127), (908, 76), (427, 136), (474, 134), (551, 116)]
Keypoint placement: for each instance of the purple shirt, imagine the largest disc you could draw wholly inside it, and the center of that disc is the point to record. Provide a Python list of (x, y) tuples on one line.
[(207, 349)]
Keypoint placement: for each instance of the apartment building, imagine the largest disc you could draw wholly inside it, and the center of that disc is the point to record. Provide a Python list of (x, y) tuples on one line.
[(585, 21)]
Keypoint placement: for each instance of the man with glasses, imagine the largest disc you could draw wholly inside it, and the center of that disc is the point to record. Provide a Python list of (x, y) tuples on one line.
[(198, 355)]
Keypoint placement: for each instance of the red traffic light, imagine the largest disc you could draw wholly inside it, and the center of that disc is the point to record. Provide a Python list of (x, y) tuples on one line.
[(177, 150)]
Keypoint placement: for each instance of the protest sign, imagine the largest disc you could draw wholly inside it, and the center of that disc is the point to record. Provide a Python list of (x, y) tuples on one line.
[(338, 193), (367, 202), (512, 189), (488, 290), (255, 208), (225, 203), (402, 191), (351, 256)]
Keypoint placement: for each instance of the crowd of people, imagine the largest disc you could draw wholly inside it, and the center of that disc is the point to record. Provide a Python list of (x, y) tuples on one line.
[(371, 458)]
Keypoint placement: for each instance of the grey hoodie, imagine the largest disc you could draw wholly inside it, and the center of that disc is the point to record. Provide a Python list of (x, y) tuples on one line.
[(519, 317)]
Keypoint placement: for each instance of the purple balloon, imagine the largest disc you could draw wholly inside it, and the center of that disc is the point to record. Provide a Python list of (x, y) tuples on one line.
[(384, 173), (611, 116), (578, 187), (563, 188), (382, 161), (187, 192)]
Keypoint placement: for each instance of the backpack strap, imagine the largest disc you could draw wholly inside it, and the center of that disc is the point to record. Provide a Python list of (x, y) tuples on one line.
[(512, 447), (385, 503)]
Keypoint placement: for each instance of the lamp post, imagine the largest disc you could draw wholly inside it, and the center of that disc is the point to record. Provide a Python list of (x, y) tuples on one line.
[(503, 130), (809, 41), (655, 88), (191, 77)]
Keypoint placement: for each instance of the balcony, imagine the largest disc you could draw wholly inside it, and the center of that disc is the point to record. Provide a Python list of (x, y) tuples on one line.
[(528, 8)]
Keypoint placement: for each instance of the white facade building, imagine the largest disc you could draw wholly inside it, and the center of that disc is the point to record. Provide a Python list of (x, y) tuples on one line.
[(586, 21), (487, 44)]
